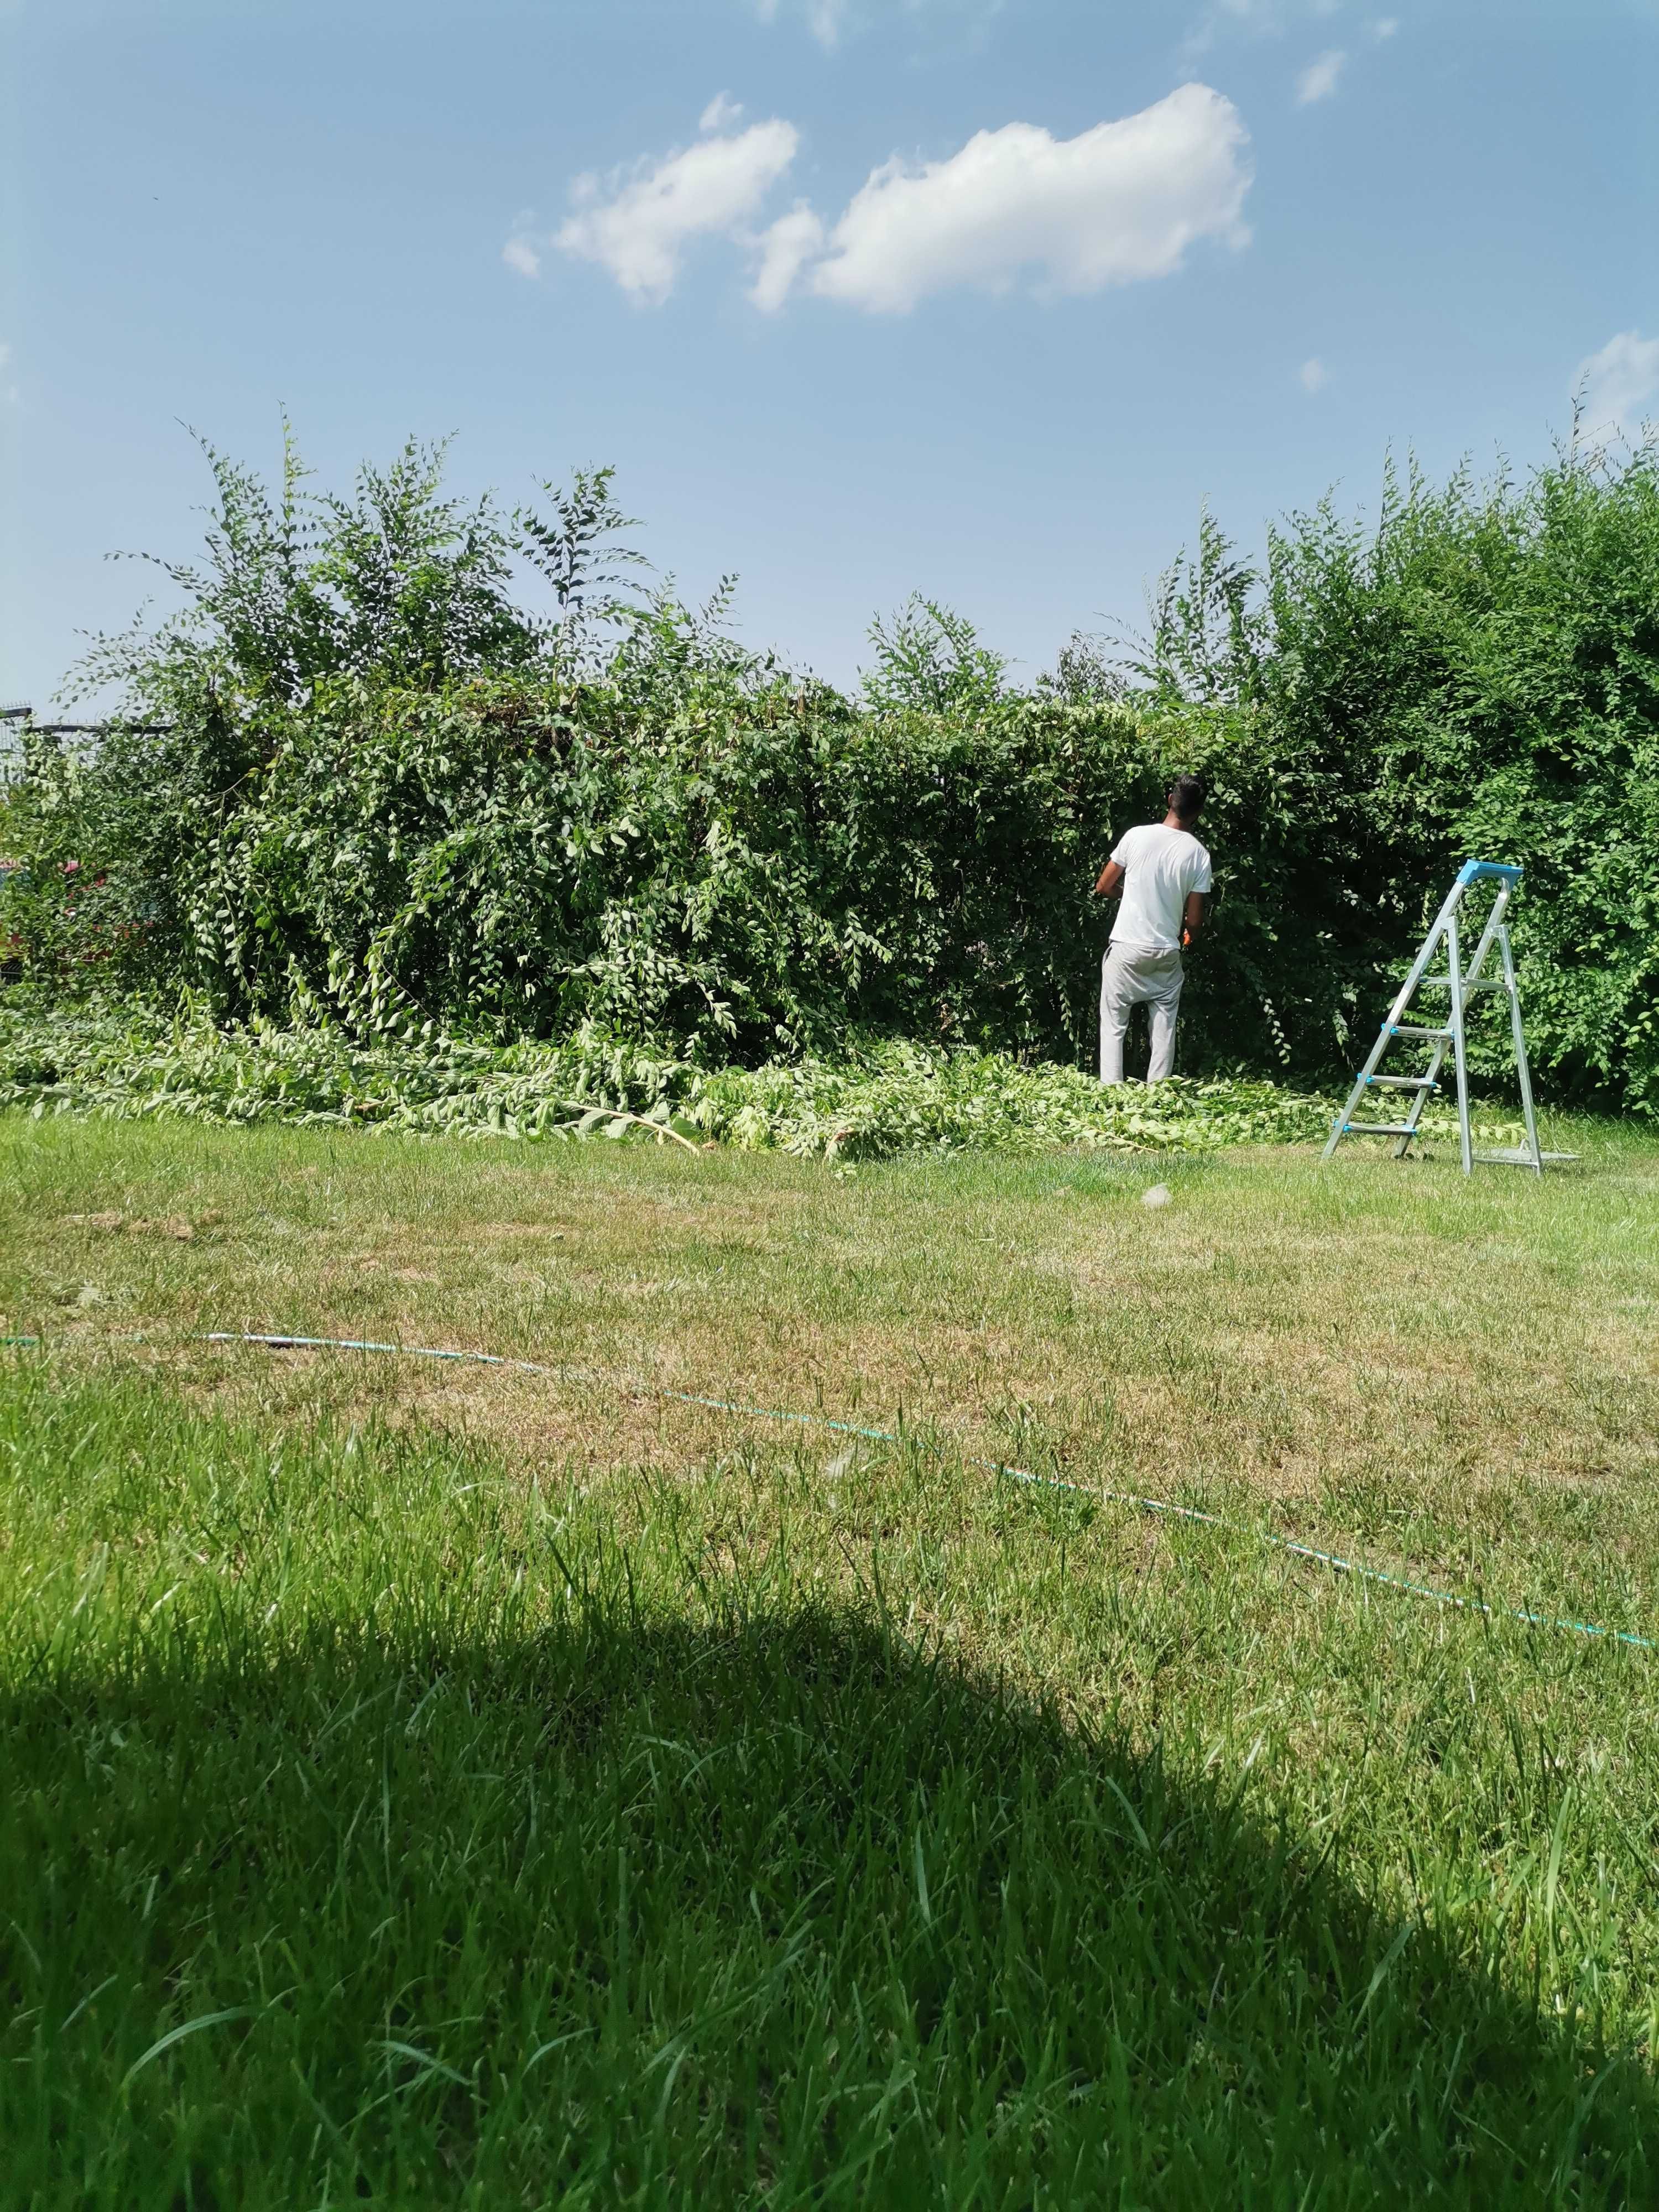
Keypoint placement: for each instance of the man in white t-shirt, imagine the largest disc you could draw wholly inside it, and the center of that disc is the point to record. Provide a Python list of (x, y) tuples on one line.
[(1162, 874)]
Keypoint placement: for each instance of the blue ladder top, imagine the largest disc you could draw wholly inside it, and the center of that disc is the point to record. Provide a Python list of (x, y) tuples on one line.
[(1473, 870)]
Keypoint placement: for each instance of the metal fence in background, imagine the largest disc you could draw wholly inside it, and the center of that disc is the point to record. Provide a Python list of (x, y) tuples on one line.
[(11, 744), (13, 719), (11, 765), (16, 719)]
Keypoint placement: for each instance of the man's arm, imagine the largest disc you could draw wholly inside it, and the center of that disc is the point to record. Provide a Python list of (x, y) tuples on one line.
[(1109, 881), (1194, 914)]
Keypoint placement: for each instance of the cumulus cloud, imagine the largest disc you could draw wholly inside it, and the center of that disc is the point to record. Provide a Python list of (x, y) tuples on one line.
[(785, 249), (1313, 375), (1612, 386), (1385, 26), (638, 226), (721, 112), (1122, 201), (1319, 79), (1118, 202)]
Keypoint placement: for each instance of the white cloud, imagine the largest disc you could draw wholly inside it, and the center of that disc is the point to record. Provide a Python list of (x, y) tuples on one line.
[(825, 19), (1249, 19), (638, 229), (1267, 18), (1318, 81), (1313, 375), (785, 248), (1220, 17), (1118, 202), (832, 21), (721, 112), (1122, 201), (1613, 384)]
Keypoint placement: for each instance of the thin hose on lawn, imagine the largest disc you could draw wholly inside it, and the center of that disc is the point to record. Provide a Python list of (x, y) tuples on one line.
[(1331, 1559)]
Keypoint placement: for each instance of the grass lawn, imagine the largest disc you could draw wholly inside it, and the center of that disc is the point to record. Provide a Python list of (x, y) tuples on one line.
[(427, 1785)]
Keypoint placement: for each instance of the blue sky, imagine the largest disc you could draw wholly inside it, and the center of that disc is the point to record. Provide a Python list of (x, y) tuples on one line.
[(861, 296)]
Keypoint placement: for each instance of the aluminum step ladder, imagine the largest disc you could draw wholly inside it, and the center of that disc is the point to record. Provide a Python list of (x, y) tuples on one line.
[(1448, 1037)]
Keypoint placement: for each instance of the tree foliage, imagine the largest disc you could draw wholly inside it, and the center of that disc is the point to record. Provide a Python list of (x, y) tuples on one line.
[(928, 657)]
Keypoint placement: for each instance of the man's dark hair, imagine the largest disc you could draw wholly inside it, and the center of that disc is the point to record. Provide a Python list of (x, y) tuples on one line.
[(1187, 796)]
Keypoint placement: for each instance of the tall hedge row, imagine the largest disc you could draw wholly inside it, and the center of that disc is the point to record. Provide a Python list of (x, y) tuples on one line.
[(383, 790), (757, 870)]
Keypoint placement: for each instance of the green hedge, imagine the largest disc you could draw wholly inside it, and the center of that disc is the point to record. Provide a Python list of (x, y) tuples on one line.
[(761, 870), (426, 808)]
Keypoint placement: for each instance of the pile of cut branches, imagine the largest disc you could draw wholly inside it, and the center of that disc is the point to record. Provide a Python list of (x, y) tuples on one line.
[(129, 1062)]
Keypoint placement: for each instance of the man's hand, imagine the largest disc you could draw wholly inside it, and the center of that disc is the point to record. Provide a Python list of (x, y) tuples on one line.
[(1194, 914), (1109, 881)]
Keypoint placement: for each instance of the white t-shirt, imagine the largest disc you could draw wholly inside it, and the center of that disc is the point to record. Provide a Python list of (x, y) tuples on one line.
[(1160, 866)]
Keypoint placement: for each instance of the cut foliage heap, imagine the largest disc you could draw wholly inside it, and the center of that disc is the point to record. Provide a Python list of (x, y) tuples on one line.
[(881, 1099)]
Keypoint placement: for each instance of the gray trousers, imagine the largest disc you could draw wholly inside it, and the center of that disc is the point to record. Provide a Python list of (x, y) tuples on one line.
[(1130, 975)]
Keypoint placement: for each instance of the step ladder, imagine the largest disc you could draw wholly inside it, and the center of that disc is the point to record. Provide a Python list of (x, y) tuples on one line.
[(1448, 1037)]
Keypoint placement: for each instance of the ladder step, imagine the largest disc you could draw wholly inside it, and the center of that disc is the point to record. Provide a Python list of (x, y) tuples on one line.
[(1410, 1029), (1379, 1129), (1403, 1082), (1470, 983)]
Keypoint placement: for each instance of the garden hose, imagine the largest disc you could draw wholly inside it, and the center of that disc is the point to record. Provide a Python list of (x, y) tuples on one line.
[(1332, 1560)]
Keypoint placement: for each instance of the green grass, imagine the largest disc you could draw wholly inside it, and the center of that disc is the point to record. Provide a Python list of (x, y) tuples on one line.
[(511, 1791)]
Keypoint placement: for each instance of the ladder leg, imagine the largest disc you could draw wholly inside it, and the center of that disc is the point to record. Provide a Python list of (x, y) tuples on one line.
[(1523, 1073), (1362, 1084), (1494, 923), (1414, 1111), (1459, 1044)]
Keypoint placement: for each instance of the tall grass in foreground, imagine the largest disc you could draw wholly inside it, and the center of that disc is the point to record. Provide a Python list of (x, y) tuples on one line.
[(378, 1824)]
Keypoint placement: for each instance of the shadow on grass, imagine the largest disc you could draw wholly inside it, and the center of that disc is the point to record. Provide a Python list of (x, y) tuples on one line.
[(768, 1910)]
